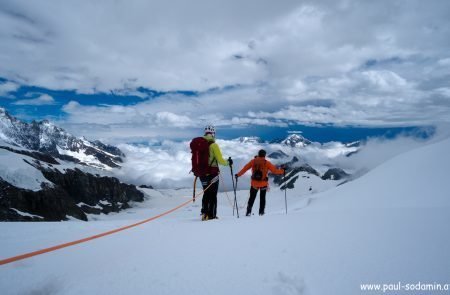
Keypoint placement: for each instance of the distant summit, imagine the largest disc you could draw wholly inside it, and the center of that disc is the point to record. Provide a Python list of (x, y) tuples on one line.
[(249, 139), (294, 140)]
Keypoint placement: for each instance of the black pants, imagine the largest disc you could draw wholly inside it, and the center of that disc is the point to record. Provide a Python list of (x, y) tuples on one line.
[(209, 201), (262, 200)]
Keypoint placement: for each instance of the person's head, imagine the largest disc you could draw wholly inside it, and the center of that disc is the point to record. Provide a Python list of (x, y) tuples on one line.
[(262, 153), (210, 129)]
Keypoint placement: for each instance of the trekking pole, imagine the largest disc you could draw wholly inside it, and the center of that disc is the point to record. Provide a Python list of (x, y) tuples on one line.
[(285, 188), (193, 193), (234, 188), (235, 200)]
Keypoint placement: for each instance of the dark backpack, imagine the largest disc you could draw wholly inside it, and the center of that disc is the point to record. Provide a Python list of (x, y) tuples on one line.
[(200, 156), (258, 169)]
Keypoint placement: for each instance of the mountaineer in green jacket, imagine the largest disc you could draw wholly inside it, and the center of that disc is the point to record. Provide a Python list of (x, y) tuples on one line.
[(209, 201)]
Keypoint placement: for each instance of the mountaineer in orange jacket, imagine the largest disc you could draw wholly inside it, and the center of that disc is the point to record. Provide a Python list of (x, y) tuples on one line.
[(260, 168)]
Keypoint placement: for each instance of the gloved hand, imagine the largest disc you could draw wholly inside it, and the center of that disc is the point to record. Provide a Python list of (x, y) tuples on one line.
[(230, 161)]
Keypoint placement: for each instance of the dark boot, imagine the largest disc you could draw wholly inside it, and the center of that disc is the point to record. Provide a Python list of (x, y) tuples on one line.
[(262, 200)]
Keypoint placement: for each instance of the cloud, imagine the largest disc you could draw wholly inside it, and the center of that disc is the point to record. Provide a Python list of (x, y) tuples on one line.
[(363, 98), (43, 99), (171, 119), (7, 87), (173, 111), (166, 164), (377, 151), (305, 62), (151, 45)]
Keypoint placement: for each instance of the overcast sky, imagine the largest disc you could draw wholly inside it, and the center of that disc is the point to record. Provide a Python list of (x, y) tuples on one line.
[(262, 63)]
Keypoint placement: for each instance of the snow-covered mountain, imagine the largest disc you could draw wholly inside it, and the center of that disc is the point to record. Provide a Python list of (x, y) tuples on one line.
[(390, 226), (44, 153), (36, 187), (249, 139), (294, 140), (47, 174), (47, 138)]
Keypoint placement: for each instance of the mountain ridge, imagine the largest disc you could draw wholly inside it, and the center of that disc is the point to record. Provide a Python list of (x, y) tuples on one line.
[(44, 136)]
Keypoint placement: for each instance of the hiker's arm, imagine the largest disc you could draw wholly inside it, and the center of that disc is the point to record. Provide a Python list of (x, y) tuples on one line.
[(218, 155), (274, 169), (246, 167)]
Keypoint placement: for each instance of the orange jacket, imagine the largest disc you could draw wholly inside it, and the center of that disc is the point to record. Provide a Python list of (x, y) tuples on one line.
[(266, 167)]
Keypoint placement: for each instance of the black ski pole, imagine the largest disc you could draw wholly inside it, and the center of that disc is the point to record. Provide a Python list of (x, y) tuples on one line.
[(285, 188), (235, 199), (234, 188)]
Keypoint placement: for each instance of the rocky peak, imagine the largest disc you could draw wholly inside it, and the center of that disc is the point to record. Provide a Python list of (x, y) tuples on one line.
[(296, 140), (335, 174), (44, 136), (293, 140)]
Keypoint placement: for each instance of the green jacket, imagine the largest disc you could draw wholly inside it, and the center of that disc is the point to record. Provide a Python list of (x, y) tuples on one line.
[(215, 153)]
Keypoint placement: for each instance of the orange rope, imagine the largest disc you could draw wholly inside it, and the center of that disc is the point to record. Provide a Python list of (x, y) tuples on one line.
[(57, 247)]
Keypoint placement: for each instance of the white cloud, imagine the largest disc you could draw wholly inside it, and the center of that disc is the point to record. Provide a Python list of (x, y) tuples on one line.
[(146, 44), (43, 99), (167, 163), (307, 61), (7, 87), (172, 45), (364, 98), (378, 150), (254, 121), (385, 81), (171, 119), (444, 61), (445, 91)]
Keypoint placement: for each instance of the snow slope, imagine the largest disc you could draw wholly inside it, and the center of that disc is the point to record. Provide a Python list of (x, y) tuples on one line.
[(389, 226), (19, 173), (16, 171)]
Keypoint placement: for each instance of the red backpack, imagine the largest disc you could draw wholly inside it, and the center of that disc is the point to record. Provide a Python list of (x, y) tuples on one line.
[(200, 156)]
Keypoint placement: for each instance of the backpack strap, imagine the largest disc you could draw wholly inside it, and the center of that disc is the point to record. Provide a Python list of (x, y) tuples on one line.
[(212, 162), (212, 169), (214, 158)]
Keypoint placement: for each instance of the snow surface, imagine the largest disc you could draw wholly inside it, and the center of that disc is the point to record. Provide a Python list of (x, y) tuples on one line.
[(390, 225), (16, 171), (84, 158)]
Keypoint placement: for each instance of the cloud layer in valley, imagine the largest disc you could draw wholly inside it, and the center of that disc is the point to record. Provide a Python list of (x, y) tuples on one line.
[(167, 164)]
